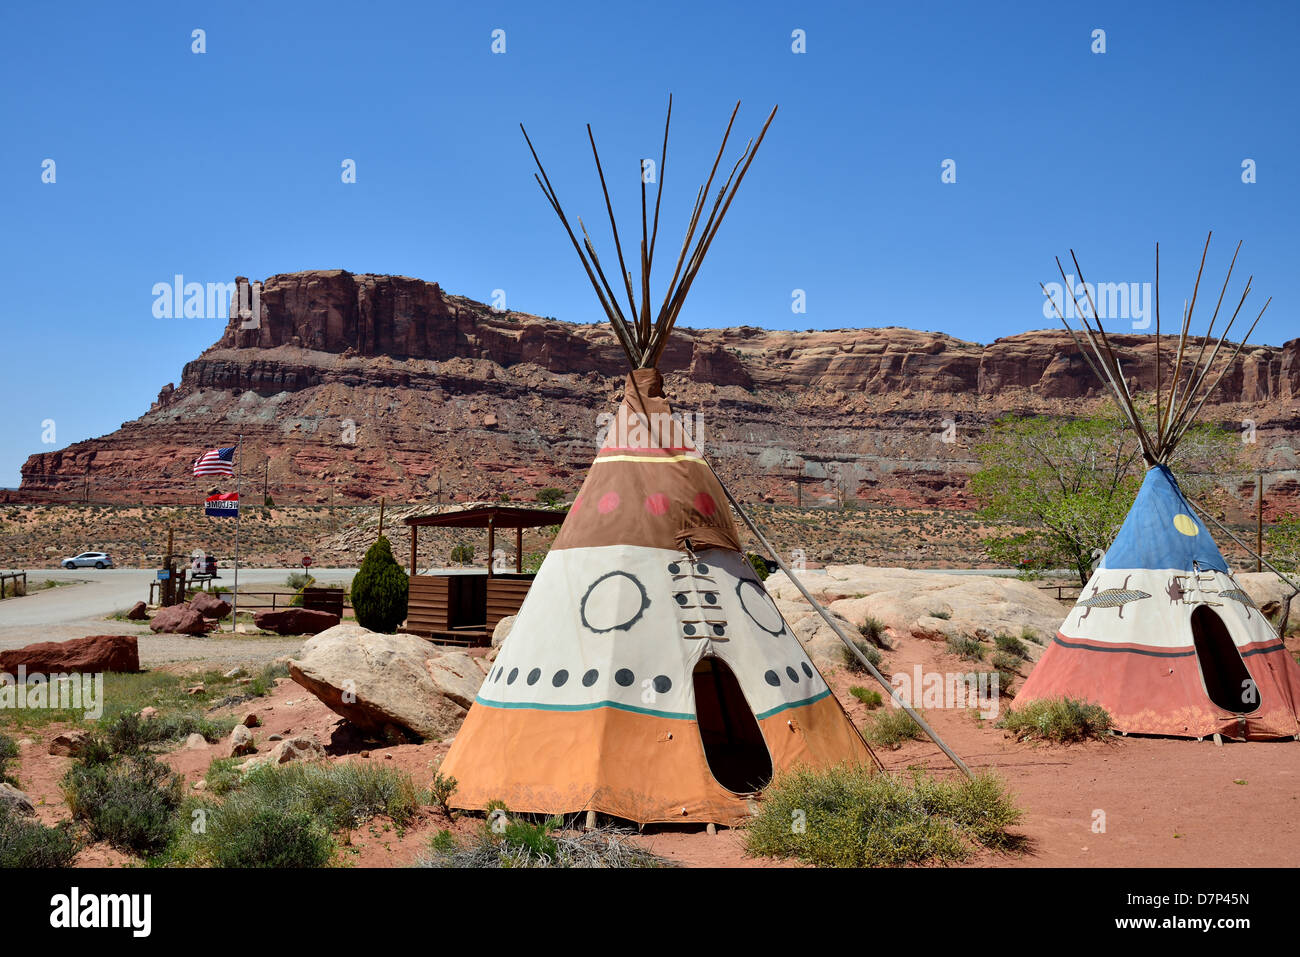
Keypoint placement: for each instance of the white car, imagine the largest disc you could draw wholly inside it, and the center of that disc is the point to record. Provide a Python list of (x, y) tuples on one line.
[(89, 559)]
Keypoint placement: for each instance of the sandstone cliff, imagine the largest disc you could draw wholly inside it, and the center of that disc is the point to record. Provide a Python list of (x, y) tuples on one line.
[(356, 386)]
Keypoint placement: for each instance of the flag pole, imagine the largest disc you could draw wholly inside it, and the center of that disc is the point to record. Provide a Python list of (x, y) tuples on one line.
[(239, 471)]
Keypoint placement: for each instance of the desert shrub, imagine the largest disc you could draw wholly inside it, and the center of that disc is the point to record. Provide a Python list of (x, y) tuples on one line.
[(440, 791), (1061, 720), (1011, 645), (336, 795), (853, 817), (244, 834), (297, 580), (25, 842), (129, 802), (872, 699), (506, 841), (757, 563), (8, 751), (129, 733), (223, 775), (873, 629), (379, 589), (890, 728), (941, 614), (870, 651), (968, 649), (551, 495), (1005, 661), (462, 553), (308, 581)]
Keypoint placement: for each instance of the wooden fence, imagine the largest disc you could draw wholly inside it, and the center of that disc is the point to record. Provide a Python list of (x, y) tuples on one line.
[(13, 590)]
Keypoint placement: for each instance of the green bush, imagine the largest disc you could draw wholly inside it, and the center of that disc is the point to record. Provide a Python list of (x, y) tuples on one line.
[(851, 817), (759, 565), (891, 728), (128, 733), (506, 841), (1005, 661), (873, 629), (241, 834), (1011, 646), (872, 699), (854, 665), (298, 580), (441, 790), (129, 802), (551, 495), (8, 751), (379, 589), (1061, 720), (336, 795), (941, 614), (461, 553), (26, 843), (968, 649)]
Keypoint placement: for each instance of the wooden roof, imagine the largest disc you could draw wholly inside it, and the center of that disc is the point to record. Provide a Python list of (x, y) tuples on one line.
[(496, 516)]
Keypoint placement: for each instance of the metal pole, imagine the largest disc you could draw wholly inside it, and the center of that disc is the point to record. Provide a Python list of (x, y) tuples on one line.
[(234, 600), (848, 642)]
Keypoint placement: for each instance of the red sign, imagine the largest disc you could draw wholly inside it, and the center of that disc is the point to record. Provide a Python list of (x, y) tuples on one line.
[(222, 506), (306, 561)]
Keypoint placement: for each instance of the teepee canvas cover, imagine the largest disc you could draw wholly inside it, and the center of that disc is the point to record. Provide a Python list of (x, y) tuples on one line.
[(648, 674), (1163, 637)]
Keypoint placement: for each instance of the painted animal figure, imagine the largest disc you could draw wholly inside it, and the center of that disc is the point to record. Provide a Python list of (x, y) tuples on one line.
[(1111, 598), (1175, 589), (1237, 595)]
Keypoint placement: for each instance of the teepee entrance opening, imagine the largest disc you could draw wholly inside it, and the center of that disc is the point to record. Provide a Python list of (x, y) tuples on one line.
[(1226, 677), (733, 742)]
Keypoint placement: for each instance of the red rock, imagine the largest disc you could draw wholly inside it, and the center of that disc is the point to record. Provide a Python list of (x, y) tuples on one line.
[(210, 606), (139, 612), (85, 655), (295, 621), (179, 620)]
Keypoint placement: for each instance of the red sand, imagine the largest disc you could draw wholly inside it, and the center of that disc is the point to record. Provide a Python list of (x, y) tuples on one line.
[(1166, 802)]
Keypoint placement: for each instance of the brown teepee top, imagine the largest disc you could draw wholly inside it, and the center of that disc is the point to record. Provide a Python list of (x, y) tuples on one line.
[(641, 338), (1178, 407)]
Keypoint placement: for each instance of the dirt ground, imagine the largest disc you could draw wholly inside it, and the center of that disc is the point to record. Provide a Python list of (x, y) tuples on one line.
[(1126, 802)]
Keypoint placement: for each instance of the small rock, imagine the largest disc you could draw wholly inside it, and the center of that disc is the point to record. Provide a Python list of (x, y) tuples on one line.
[(195, 742), (148, 713), (25, 742), (201, 785), (303, 747), (276, 737), (196, 689), (210, 606), (251, 720), (244, 681), (16, 800), (365, 754), (241, 741), (139, 612), (235, 672), (69, 744)]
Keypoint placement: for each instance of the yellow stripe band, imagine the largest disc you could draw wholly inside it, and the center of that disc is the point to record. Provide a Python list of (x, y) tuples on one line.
[(649, 458)]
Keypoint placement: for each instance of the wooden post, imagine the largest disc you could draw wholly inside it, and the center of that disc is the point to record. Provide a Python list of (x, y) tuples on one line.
[(492, 541), (414, 530), (381, 517), (519, 549), (1259, 526)]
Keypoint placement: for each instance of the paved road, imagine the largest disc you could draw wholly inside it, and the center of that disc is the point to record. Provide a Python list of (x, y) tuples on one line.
[(80, 609)]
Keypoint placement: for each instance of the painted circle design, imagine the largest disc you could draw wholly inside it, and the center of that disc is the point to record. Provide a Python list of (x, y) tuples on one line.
[(610, 605), (608, 502), (663, 684), (534, 675), (559, 678), (1186, 524), (772, 678), (590, 677), (704, 504), (806, 669), (514, 673), (657, 504), (793, 675), (759, 607), (624, 677)]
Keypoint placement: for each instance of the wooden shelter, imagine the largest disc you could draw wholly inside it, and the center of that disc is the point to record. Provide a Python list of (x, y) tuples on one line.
[(463, 607)]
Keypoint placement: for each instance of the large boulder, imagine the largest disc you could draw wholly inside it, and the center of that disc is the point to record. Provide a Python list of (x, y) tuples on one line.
[(295, 621), (376, 680), (97, 653), (139, 612), (502, 631), (457, 676), (178, 620), (210, 606), (15, 800), (69, 744)]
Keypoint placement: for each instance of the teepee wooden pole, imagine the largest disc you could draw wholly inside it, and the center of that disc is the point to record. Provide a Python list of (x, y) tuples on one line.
[(848, 642)]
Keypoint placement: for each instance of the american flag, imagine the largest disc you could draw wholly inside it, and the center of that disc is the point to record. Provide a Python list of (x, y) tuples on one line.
[(216, 462)]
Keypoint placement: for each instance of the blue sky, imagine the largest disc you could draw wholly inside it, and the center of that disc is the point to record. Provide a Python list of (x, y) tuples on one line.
[(228, 163)]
